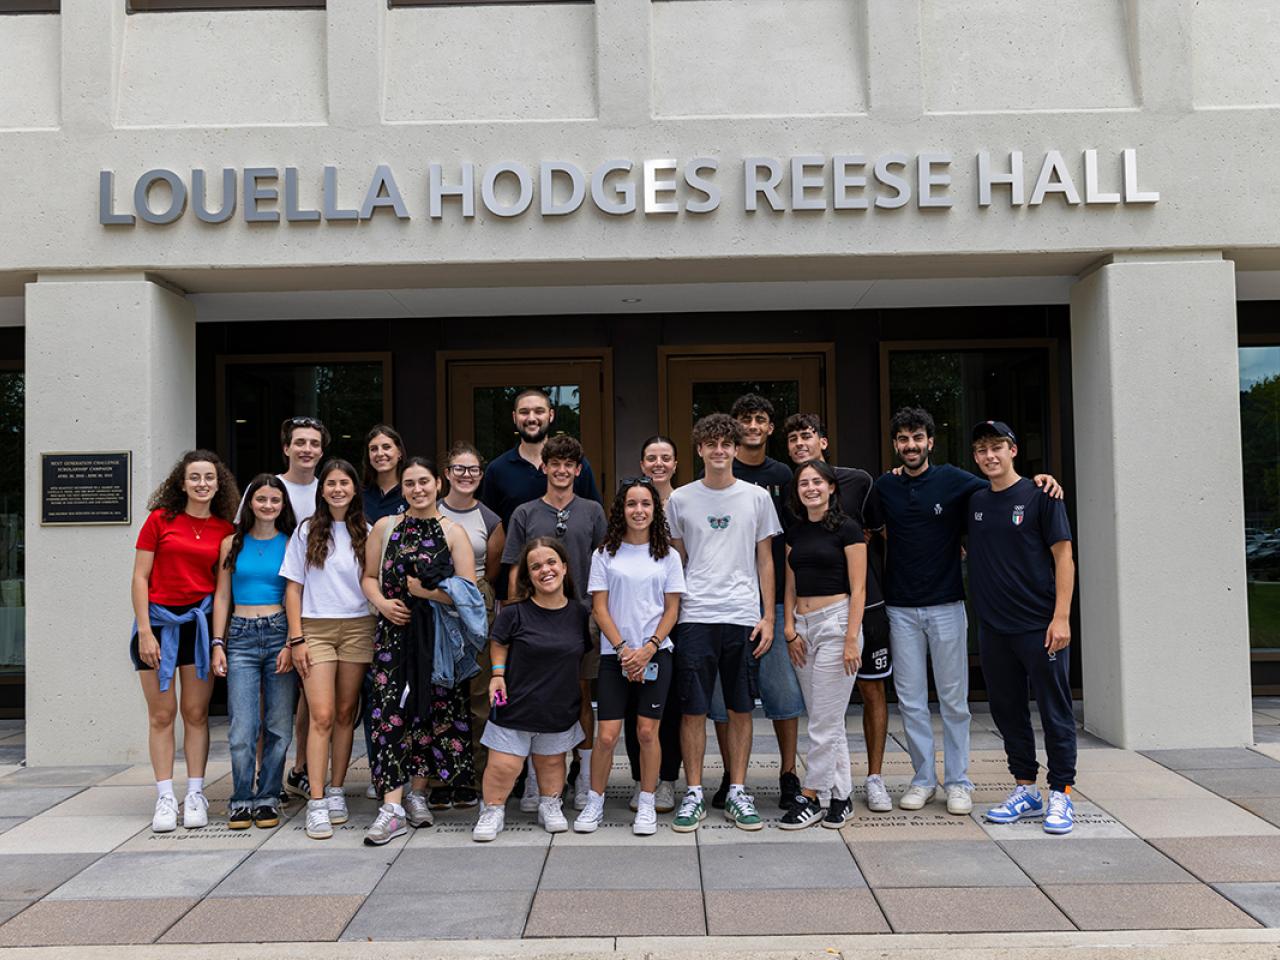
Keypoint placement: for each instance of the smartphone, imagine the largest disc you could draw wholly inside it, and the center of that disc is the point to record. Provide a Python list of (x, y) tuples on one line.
[(499, 698), (650, 671)]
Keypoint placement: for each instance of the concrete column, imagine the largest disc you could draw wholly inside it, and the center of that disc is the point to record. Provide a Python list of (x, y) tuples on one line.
[(92, 44), (356, 62), (624, 62), (110, 366), (1161, 556)]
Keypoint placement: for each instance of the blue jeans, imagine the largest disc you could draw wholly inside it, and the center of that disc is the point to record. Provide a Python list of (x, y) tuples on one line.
[(257, 696), (940, 634), (773, 677)]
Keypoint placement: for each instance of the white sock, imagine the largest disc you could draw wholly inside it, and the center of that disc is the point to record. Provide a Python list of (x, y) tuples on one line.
[(696, 791), (397, 809), (533, 775), (735, 789), (195, 785), (584, 761), (164, 788), (645, 800), (596, 796)]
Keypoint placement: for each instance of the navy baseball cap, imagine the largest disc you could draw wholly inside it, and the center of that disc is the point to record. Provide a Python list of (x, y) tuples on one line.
[(992, 428)]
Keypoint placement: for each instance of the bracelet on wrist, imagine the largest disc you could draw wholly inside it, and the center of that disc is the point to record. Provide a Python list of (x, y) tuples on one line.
[(499, 668), (618, 647), (294, 641), (217, 642), (791, 639), (657, 644)]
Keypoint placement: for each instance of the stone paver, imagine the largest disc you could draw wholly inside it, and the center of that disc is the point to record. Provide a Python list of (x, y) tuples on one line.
[(136, 802), (932, 823), (480, 867), (1228, 758), (774, 866), (1226, 859), (968, 910), (29, 876), (620, 868), (64, 776), (23, 802), (1136, 906), (315, 872), (441, 915), (263, 920), (577, 913), (1204, 817), (748, 912), (1094, 862), (1092, 823), (143, 876), (961, 863), (1268, 808), (1244, 782), (1260, 900), (70, 834), (80, 922)]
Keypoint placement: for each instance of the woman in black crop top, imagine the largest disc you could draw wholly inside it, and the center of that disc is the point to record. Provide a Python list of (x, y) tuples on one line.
[(822, 624)]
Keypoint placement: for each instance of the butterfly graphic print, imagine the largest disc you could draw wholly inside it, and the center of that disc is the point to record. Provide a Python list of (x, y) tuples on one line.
[(719, 523)]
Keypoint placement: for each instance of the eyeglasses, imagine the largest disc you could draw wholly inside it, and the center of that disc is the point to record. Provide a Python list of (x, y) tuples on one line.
[(458, 470), (304, 422), (562, 522)]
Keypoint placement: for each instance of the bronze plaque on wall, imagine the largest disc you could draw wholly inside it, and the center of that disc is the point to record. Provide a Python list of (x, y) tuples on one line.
[(85, 488)]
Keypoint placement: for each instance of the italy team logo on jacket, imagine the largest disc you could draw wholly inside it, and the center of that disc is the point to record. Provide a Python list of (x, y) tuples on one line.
[(1018, 514)]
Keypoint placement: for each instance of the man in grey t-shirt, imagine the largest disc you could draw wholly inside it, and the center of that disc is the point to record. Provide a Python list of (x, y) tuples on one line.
[(580, 525)]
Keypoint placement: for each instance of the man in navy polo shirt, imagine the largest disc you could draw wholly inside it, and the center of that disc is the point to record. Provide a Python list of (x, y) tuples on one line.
[(1021, 576), (924, 509), (516, 477)]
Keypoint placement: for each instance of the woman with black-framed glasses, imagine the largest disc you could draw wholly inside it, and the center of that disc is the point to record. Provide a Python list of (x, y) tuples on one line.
[(463, 471)]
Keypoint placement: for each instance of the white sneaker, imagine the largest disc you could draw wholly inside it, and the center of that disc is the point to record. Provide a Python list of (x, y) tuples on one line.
[(337, 802), (371, 793), (551, 815), (319, 826), (581, 791), (529, 800), (490, 823), (635, 795), (664, 798), (916, 797), (592, 815), (646, 822), (959, 800), (166, 815), (195, 811), (878, 799)]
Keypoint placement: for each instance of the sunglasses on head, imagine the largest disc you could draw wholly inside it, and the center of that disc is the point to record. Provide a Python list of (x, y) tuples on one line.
[(641, 480), (305, 422)]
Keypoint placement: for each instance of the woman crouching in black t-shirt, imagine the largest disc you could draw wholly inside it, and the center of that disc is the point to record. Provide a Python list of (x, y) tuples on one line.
[(536, 649), (822, 623)]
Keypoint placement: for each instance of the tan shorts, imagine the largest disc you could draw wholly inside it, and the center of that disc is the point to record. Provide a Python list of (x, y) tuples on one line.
[(590, 669), (349, 639)]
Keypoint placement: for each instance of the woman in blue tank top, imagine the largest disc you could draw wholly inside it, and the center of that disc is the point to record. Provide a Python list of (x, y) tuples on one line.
[(251, 651)]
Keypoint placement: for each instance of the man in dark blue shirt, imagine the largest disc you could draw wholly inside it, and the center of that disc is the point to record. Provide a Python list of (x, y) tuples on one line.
[(516, 476), (925, 508), (1021, 576)]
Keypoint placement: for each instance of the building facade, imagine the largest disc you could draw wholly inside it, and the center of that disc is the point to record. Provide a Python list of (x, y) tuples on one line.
[(1060, 215)]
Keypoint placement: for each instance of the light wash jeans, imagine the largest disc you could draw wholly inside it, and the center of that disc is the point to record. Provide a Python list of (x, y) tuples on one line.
[(938, 633), (826, 689), (258, 697)]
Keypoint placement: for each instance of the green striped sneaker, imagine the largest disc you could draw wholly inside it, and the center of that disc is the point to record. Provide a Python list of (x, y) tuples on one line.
[(691, 813), (740, 810)]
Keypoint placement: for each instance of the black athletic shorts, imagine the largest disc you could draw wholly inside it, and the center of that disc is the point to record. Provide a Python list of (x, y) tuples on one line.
[(708, 650), (877, 660), (614, 692)]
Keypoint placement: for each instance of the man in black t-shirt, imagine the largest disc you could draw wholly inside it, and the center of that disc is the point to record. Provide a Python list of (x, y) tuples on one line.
[(807, 440), (775, 677), (1021, 576)]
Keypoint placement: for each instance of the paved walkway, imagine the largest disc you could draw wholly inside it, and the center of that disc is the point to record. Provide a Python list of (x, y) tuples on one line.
[(1170, 840)]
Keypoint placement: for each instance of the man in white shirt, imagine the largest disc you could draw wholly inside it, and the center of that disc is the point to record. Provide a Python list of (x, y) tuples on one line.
[(723, 527)]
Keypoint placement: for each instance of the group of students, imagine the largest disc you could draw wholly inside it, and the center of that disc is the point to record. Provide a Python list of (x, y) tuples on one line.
[(670, 604)]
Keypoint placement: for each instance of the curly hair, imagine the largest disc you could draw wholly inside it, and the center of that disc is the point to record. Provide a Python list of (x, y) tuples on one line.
[(172, 499), (798, 422), (910, 419), (524, 583), (835, 514), (750, 403), (370, 475), (717, 426), (284, 521), (659, 537), (320, 526), (562, 447)]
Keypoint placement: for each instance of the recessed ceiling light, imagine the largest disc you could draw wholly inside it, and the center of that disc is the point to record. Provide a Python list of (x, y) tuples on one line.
[(346, 436), (242, 421), (630, 299)]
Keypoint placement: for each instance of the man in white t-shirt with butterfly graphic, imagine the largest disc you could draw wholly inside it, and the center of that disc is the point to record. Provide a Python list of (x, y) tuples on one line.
[(723, 527)]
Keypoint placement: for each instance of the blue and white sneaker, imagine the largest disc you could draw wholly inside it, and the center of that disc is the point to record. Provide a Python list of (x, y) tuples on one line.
[(1023, 802), (1061, 816)]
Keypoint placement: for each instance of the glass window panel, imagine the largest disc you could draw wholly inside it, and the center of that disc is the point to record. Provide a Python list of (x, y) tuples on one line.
[(495, 432), (12, 605), (717, 396), (347, 397), (1260, 448)]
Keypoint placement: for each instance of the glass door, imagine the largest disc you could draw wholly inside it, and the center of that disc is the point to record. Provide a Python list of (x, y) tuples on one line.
[(12, 602), (794, 381)]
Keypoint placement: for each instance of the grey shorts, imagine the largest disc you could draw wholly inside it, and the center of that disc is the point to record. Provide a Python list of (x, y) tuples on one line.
[(521, 743)]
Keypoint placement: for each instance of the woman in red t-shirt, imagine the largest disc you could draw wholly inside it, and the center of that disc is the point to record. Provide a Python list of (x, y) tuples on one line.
[(173, 581)]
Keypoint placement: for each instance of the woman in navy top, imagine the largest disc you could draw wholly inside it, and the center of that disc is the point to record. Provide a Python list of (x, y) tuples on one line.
[(252, 653)]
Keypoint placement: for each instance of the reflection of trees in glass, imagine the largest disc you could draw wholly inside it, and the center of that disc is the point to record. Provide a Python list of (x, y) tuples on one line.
[(933, 380), (718, 396), (348, 398), (12, 464), (495, 433), (1260, 430)]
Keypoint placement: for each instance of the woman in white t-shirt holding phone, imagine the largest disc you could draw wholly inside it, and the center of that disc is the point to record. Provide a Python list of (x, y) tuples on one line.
[(635, 585), (330, 633)]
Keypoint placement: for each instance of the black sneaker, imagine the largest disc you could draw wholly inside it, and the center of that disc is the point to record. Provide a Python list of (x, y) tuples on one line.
[(440, 798), (464, 798), (240, 818), (285, 798), (805, 812), (788, 790), (266, 817), (838, 813), (721, 795), (296, 782)]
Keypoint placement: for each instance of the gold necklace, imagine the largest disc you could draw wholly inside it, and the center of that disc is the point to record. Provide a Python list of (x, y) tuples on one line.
[(202, 526)]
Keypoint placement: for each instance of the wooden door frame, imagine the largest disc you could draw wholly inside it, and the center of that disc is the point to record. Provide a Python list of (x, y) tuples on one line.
[(737, 351), (1055, 396), (542, 355)]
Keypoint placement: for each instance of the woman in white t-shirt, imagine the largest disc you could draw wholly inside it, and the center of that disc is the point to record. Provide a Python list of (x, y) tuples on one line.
[(330, 633), (635, 585)]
